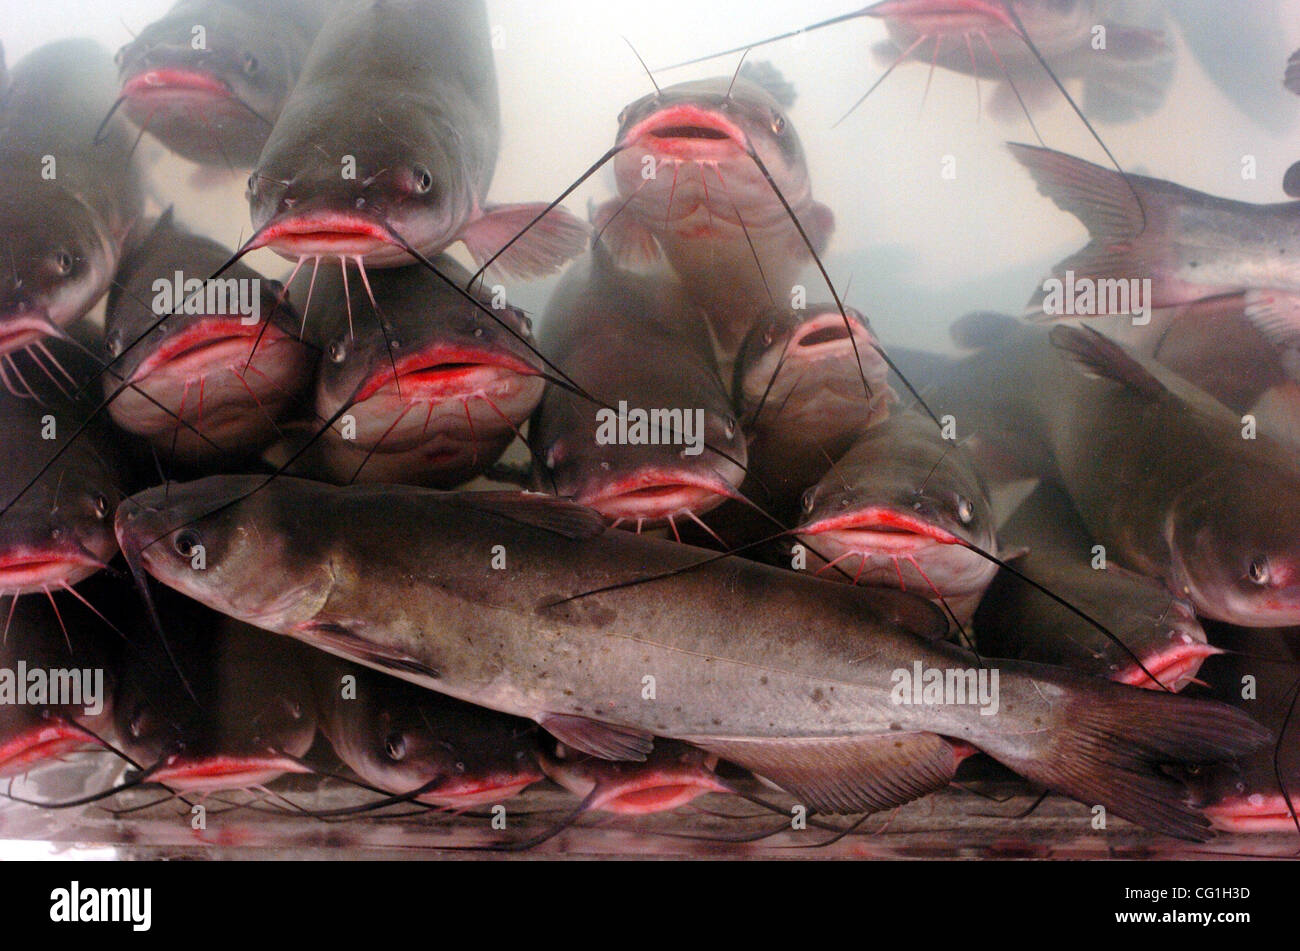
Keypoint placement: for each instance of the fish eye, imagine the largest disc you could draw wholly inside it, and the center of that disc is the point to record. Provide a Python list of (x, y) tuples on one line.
[(101, 506), (778, 124), (250, 64), (63, 262), (395, 746), (1258, 571), (423, 179), (622, 116), (252, 184), (113, 343), (965, 510), (293, 707), (729, 427), (139, 721), (185, 542), (338, 351), (809, 499)]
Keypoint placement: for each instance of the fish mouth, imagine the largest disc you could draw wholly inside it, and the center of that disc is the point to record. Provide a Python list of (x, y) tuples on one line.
[(656, 494), (45, 742), (467, 795), (643, 791), (196, 350), (442, 373), (325, 233), (1254, 812), (175, 83), (880, 529), (932, 16), (222, 773), (1173, 668), (689, 132), (29, 569)]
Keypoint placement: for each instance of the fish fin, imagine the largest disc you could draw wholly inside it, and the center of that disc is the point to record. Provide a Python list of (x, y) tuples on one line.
[(543, 249), (630, 243), (1291, 80), (981, 329), (1109, 744), (1133, 76), (1036, 91), (547, 512), (846, 774), (767, 77), (1103, 358), (598, 739), (341, 640), (1276, 315)]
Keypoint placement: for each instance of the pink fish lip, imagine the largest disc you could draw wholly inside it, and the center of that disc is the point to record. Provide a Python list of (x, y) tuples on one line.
[(1173, 668), (1251, 812), (30, 569), (690, 133), (824, 333), (882, 529), (653, 494), (195, 349), (929, 16), (18, 332), (444, 372), (168, 81), (468, 793), (325, 233), (642, 791), (222, 772), (46, 741)]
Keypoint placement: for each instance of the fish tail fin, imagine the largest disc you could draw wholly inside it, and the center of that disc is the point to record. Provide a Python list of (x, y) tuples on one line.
[(1112, 746), (1124, 228)]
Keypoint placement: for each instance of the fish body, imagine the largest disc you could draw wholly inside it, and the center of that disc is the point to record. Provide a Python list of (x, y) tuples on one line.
[(209, 77), (394, 128), (803, 697), (68, 200)]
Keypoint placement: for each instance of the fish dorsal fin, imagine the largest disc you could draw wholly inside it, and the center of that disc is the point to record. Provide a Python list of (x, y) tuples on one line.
[(770, 79), (560, 516), (981, 329), (845, 774)]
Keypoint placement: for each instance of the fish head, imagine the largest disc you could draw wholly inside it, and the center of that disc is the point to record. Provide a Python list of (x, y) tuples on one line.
[(211, 101), (342, 192), (714, 124), (213, 540), (793, 357), (58, 261), (1235, 548), (1054, 25)]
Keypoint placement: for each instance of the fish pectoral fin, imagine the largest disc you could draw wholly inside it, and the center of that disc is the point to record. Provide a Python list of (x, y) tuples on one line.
[(341, 640), (540, 250), (1135, 79), (540, 511), (846, 774), (601, 740), (629, 242), (1099, 356), (1276, 315)]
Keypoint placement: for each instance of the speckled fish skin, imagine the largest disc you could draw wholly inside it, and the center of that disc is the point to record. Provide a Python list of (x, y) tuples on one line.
[(809, 684)]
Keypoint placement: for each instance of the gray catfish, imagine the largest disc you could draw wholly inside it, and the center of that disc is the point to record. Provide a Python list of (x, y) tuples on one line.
[(689, 191), (1188, 245), (209, 77), (823, 692), (905, 504), (227, 360), (1016, 620), (394, 127), (401, 738), (67, 201), (666, 444), (61, 529), (435, 394), (1159, 472)]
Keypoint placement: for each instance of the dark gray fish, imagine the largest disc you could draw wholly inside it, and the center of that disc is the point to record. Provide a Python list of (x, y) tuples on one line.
[(250, 720), (1016, 620), (67, 651), (214, 380), (434, 391), (209, 77), (814, 696), (403, 738), (67, 201), (394, 126), (640, 346), (904, 504), (61, 529), (689, 192)]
